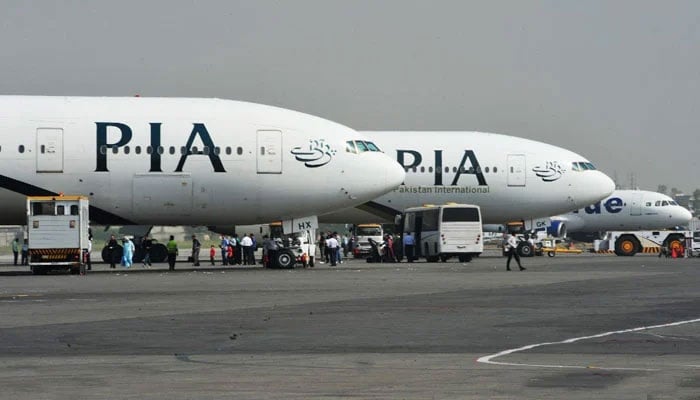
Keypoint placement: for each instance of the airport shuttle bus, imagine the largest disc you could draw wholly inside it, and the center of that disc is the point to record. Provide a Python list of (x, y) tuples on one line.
[(445, 231)]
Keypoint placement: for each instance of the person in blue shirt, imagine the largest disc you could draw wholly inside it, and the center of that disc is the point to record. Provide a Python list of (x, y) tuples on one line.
[(409, 244)]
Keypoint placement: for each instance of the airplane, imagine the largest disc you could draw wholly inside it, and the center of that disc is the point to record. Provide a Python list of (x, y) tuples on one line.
[(624, 210), (182, 161), (510, 178)]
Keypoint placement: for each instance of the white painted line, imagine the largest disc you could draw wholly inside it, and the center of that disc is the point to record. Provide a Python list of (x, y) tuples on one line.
[(489, 359)]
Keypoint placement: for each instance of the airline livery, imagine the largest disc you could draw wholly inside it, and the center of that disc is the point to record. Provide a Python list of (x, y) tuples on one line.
[(178, 161), (626, 210), (510, 178)]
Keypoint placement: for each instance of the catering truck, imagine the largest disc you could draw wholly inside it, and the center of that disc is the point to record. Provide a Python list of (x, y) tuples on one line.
[(57, 233)]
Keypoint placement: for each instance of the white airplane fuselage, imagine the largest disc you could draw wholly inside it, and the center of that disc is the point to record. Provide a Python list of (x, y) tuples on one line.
[(627, 210), (510, 178), (175, 161)]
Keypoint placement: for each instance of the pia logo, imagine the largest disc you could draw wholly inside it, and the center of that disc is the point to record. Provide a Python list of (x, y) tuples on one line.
[(550, 172), (317, 154)]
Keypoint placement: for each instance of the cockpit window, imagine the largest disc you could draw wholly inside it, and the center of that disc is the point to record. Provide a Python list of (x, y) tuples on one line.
[(361, 146), (582, 166), (664, 203), (657, 204), (673, 203), (350, 147), (373, 147)]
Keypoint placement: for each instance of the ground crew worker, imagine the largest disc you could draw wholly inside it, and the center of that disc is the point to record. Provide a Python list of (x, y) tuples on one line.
[(409, 243), (511, 247), (15, 249), (196, 247), (172, 252)]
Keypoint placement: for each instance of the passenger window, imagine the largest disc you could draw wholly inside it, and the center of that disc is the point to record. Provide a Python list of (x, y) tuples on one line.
[(206, 150), (422, 169), (172, 149), (486, 170), (447, 169), (127, 150), (239, 151), (137, 149), (161, 150), (149, 150), (74, 210), (350, 147), (228, 150), (430, 169), (495, 170), (21, 148), (372, 147), (194, 150), (103, 149), (361, 146), (115, 149), (217, 150)]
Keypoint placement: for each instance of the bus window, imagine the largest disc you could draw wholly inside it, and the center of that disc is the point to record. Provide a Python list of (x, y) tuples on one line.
[(61, 210), (74, 210), (430, 220), (368, 231), (460, 215)]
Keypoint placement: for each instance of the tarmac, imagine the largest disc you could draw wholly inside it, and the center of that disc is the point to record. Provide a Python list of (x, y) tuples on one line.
[(569, 327)]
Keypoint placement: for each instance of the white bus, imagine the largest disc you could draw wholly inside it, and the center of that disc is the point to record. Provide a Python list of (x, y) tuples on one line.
[(445, 231)]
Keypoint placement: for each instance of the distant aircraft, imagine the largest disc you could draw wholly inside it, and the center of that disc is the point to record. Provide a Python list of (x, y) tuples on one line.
[(626, 210), (183, 161), (510, 178)]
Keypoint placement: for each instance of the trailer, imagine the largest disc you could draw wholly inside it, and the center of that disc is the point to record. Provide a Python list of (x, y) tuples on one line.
[(629, 243), (57, 233)]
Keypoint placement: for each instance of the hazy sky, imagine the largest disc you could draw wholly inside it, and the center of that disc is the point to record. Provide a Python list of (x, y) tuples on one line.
[(617, 81)]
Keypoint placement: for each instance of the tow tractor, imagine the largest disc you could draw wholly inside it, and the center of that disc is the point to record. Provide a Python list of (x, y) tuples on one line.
[(629, 243)]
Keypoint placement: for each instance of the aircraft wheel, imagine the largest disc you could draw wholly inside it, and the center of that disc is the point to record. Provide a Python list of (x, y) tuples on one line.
[(159, 253), (116, 254)]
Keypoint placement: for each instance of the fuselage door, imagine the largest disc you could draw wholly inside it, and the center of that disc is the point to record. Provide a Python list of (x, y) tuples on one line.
[(49, 146), (635, 203), (269, 152), (516, 170)]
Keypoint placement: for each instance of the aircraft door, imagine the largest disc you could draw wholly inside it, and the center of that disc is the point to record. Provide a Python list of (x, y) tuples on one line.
[(516, 170), (269, 152), (635, 204), (49, 154)]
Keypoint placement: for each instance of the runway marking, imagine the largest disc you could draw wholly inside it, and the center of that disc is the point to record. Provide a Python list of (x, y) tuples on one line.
[(489, 359)]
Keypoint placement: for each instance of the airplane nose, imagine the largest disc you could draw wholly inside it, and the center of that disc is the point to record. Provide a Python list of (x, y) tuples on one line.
[(682, 216), (597, 186), (394, 174)]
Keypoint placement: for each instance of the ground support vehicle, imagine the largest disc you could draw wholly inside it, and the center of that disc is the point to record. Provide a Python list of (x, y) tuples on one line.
[(444, 231), (57, 233), (553, 246), (295, 239), (629, 243), (361, 235)]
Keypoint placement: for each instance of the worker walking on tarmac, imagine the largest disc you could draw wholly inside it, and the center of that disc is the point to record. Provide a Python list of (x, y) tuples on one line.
[(196, 247), (15, 249), (511, 248), (172, 252)]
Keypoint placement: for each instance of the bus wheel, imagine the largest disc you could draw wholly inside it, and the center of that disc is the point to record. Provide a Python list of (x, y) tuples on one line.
[(465, 258), (444, 258), (627, 245), (432, 259)]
